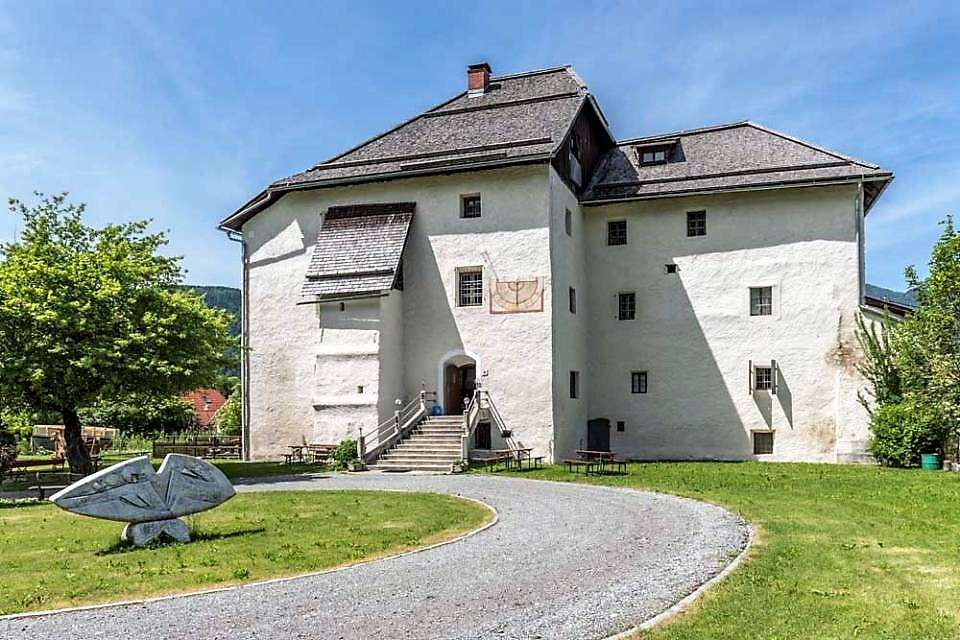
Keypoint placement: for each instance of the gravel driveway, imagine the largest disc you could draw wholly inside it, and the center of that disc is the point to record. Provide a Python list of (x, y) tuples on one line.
[(563, 561)]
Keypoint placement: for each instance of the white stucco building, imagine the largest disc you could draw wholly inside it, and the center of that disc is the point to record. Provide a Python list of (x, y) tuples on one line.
[(689, 295)]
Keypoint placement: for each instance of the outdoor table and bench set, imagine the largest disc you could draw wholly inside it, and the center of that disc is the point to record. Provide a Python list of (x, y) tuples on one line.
[(595, 462)]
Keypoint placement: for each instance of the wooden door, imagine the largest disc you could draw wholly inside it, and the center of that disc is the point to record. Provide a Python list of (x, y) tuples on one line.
[(482, 439), (453, 385), (598, 434)]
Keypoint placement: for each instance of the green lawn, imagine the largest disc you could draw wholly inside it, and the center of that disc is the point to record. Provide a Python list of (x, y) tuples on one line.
[(50, 558), (841, 551)]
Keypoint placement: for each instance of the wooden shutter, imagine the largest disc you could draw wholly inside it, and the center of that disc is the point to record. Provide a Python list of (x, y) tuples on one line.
[(750, 377), (773, 377)]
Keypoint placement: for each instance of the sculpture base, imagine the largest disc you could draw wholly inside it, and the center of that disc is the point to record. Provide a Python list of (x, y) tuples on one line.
[(142, 533)]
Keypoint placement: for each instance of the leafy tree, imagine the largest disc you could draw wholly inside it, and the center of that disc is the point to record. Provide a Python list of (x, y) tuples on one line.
[(228, 418), (927, 342), (141, 414), (879, 366), (93, 313)]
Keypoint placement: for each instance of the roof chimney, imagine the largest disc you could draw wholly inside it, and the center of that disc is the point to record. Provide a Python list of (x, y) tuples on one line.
[(478, 79)]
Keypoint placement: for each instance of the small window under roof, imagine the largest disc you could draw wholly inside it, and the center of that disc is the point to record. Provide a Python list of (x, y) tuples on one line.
[(658, 152)]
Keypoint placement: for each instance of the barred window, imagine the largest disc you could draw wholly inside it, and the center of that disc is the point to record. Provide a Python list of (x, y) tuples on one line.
[(626, 306), (616, 232), (470, 287), (470, 206), (762, 443), (761, 301), (638, 381), (696, 223)]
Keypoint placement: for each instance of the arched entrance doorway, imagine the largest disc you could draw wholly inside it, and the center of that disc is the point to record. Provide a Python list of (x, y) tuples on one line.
[(459, 377)]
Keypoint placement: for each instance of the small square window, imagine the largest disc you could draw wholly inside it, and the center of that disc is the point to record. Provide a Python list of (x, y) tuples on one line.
[(762, 443), (696, 223), (670, 268), (574, 385), (573, 300), (470, 206), (638, 382), (763, 377), (470, 287), (761, 301), (616, 232), (621, 426), (626, 306), (568, 222), (359, 388)]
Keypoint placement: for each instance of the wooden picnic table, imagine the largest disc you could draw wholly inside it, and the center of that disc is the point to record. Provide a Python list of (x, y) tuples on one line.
[(295, 455), (604, 458)]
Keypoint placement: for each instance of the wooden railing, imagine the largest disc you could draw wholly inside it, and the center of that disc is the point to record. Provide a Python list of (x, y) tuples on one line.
[(392, 430)]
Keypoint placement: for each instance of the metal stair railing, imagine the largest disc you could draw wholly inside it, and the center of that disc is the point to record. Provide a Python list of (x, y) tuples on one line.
[(391, 431)]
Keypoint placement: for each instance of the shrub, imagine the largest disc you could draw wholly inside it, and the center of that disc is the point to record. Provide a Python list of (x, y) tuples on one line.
[(8, 449), (902, 431), (345, 453), (228, 418)]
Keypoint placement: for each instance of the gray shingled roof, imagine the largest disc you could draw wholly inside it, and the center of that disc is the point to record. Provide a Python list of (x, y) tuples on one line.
[(521, 115), (726, 157), (521, 118), (358, 250)]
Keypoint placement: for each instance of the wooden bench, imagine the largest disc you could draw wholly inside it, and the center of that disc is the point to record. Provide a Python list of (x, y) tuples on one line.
[(54, 482), (619, 463), (19, 468), (320, 453), (491, 460), (575, 464)]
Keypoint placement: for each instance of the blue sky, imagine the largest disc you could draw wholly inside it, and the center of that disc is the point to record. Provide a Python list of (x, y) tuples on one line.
[(180, 111)]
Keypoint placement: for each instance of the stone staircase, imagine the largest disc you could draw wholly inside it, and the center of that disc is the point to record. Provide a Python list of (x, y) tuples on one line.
[(434, 445)]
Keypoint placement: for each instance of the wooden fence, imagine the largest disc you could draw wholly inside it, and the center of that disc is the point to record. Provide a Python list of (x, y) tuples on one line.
[(199, 446)]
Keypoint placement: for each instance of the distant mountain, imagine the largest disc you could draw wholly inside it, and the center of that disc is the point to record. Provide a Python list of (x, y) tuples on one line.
[(226, 298)]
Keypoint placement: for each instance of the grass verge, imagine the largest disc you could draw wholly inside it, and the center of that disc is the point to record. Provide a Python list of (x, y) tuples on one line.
[(51, 558), (841, 551)]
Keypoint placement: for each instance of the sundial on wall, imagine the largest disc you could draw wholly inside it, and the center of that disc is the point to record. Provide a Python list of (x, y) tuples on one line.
[(516, 296)]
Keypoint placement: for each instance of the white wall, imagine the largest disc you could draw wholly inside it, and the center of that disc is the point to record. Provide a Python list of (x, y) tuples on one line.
[(510, 241), (694, 336), (568, 263)]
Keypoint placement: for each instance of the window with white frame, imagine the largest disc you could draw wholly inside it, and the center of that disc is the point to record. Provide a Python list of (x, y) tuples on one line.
[(470, 287), (470, 206), (626, 305), (761, 301), (763, 378)]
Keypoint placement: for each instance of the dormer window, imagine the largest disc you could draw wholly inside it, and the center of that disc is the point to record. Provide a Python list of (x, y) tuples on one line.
[(655, 152)]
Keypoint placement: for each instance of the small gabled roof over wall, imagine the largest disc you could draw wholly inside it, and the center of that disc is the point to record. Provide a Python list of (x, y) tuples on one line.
[(730, 157), (358, 251)]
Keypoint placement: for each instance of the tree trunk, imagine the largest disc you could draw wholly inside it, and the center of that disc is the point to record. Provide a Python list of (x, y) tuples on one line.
[(77, 455)]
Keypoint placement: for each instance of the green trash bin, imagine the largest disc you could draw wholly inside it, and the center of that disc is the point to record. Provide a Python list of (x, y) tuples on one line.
[(930, 461)]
